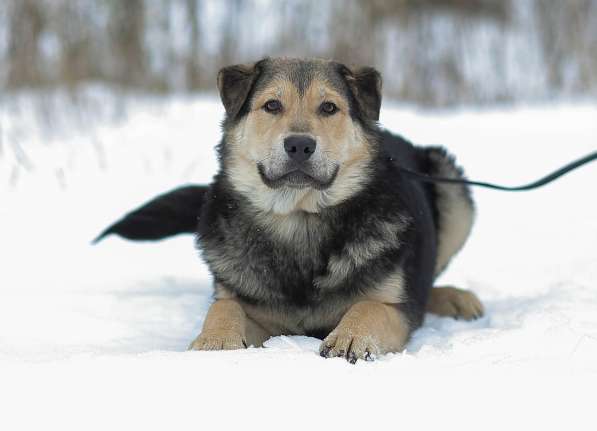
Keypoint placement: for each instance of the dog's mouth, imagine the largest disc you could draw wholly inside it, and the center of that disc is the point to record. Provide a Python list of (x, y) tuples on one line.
[(297, 179)]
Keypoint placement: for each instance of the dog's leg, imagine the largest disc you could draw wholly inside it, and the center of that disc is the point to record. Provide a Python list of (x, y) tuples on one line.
[(453, 302), (368, 329), (227, 327)]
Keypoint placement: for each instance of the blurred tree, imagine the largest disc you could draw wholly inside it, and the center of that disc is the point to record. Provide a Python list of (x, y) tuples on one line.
[(27, 21), (127, 30), (230, 31), (432, 52), (193, 75), (76, 65)]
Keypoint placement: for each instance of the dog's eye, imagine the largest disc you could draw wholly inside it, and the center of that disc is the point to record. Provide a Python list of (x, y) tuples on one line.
[(273, 106), (328, 108)]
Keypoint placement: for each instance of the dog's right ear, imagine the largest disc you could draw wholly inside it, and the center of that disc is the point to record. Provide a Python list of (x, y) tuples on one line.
[(365, 84), (235, 83)]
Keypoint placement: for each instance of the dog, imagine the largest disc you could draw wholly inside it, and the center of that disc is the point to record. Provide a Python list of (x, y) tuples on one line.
[(309, 227)]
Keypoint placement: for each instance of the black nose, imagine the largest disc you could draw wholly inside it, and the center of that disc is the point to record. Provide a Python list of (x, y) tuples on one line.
[(299, 148)]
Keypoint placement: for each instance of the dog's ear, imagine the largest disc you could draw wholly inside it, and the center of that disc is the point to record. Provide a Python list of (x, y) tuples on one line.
[(365, 84), (234, 84)]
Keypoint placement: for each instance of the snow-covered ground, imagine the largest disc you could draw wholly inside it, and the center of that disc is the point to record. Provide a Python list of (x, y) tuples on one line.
[(94, 337)]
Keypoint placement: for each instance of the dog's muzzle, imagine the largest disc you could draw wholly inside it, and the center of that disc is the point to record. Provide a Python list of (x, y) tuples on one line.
[(297, 179), (299, 166)]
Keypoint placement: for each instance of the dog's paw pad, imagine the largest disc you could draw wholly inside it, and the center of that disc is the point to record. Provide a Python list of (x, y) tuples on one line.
[(218, 340)]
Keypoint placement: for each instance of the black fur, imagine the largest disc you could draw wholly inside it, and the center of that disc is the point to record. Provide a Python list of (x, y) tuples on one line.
[(169, 214)]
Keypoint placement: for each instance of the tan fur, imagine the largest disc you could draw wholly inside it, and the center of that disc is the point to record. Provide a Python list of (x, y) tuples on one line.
[(389, 291), (458, 216), (278, 321), (259, 137), (293, 227), (453, 302), (227, 327), (456, 213), (326, 315), (365, 330), (368, 329)]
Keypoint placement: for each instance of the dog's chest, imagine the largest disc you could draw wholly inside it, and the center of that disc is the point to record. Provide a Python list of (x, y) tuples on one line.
[(274, 259), (298, 260), (299, 253)]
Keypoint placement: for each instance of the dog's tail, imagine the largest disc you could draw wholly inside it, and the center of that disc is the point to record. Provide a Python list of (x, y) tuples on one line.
[(168, 214)]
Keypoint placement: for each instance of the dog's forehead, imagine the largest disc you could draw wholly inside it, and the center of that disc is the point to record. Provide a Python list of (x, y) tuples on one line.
[(301, 74)]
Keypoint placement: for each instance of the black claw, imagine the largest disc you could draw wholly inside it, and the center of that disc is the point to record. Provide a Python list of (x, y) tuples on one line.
[(325, 351), (368, 356), (245, 344), (352, 358), (341, 353)]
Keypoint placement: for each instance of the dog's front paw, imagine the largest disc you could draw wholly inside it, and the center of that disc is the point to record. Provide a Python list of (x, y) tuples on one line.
[(343, 343), (222, 339)]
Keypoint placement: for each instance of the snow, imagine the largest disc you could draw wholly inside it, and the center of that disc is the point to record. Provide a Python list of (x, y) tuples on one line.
[(94, 337)]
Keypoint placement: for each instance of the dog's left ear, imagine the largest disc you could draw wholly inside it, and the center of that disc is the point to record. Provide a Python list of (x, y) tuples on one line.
[(365, 84), (235, 83)]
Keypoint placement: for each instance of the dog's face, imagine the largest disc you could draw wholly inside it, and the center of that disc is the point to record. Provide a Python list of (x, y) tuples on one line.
[(296, 131)]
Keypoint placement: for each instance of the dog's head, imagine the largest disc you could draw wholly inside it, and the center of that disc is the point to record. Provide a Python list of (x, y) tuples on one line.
[(296, 131)]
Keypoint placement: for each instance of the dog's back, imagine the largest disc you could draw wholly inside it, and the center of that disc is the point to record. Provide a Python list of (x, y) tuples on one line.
[(452, 204)]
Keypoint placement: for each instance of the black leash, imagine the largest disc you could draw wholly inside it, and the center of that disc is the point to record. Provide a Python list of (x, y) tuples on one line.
[(541, 182)]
